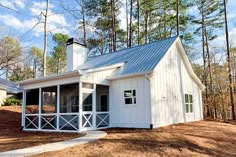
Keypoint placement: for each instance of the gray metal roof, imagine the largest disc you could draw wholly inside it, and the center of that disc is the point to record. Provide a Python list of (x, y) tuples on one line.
[(138, 59), (9, 86)]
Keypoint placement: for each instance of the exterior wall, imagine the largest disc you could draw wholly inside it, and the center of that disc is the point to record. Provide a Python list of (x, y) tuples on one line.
[(3, 95), (98, 77), (132, 116), (169, 83)]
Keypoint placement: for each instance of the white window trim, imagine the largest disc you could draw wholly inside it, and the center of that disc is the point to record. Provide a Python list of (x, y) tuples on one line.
[(188, 103), (132, 97)]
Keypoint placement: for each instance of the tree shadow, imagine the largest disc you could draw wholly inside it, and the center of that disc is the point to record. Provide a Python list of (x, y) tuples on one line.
[(155, 146)]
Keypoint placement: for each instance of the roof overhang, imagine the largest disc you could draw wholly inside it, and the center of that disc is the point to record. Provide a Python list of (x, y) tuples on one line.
[(117, 65), (188, 65), (51, 77), (116, 77)]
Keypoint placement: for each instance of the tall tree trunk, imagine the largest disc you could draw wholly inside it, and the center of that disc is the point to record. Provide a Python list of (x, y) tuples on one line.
[(229, 63), (113, 25), (7, 71), (127, 24), (45, 40), (177, 16), (204, 58), (138, 6), (145, 22), (210, 73), (84, 22), (130, 23), (164, 20)]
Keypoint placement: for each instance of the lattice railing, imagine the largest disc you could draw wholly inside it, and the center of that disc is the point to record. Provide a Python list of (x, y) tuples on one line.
[(102, 119), (69, 121), (87, 120), (49, 121), (31, 121)]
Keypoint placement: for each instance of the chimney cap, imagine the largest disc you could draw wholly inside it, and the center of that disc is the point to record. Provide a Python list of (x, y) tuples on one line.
[(74, 40)]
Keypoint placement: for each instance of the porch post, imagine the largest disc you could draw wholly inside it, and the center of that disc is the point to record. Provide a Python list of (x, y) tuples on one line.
[(94, 106), (80, 106), (23, 109), (58, 106), (40, 108)]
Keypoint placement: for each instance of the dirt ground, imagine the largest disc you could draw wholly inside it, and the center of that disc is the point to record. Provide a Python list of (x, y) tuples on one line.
[(204, 138), (12, 138)]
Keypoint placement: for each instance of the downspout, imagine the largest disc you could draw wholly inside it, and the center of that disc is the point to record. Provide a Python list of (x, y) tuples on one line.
[(149, 80)]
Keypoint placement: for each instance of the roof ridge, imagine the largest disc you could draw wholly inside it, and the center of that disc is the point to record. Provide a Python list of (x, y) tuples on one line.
[(133, 47)]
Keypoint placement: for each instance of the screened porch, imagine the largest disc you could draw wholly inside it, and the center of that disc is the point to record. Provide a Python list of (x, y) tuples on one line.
[(70, 107)]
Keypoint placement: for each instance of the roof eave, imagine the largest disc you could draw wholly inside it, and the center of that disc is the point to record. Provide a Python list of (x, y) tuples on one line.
[(116, 77), (51, 77), (188, 65), (118, 65)]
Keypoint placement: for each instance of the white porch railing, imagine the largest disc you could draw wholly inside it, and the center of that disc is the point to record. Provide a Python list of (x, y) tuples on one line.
[(87, 120), (31, 121), (102, 119), (67, 122), (49, 121)]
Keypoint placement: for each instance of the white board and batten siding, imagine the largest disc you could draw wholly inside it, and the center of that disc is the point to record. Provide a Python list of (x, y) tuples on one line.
[(98, 77), (169, 83), (130, 115)]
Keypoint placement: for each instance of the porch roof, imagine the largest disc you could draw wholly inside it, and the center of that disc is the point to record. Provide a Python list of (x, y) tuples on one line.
[(51, 77)]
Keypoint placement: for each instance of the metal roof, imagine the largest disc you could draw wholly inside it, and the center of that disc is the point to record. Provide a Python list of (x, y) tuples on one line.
[(9, 86), (138, 59)]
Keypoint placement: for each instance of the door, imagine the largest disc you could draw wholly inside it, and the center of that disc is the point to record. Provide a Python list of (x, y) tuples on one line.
[(87, 111)]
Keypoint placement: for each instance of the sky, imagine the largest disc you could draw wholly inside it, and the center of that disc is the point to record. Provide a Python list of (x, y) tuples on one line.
[(19, 23)]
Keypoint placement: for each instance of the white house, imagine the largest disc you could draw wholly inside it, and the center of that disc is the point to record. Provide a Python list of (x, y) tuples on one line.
[(146, 86)]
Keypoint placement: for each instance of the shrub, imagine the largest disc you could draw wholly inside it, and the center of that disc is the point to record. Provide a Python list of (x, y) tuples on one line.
[(11, 102)]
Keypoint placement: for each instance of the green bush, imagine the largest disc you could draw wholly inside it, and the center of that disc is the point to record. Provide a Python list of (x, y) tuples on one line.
[(12, 102)]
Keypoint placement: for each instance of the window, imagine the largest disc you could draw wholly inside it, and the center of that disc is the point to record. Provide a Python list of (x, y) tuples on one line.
[(188, 103), (130, 96)]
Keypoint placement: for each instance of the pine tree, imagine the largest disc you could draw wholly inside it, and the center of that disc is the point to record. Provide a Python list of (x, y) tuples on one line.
[(229, 62)]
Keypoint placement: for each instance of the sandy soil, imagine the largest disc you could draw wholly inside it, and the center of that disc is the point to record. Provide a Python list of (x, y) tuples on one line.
[(11, 137), (204, 138)]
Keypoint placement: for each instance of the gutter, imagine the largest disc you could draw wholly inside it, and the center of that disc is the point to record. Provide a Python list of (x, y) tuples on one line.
[(129, 75)]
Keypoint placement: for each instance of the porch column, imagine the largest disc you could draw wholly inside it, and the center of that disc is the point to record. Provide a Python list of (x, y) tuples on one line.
[(23, 109), (58, 106), (94, 105), (40, 108), (80, 106)]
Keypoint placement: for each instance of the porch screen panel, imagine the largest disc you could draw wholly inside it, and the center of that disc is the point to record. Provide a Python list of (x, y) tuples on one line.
[(32, 109), (87, 101), (32, 101), (102, 98), (69, 98), (49, 99)]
